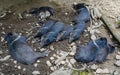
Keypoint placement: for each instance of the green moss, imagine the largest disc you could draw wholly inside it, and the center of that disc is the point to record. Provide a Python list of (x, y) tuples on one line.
[(84, 72)]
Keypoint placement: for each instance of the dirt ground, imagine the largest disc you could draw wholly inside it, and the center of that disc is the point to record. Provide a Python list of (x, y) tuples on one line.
[(11, 22)]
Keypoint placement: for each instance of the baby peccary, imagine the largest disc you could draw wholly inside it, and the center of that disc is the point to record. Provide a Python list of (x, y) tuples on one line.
[(95, 51), (65, 34), (78, 29), (82, 13), (45, 28), (20, 51), (52, 35), (42, 12)]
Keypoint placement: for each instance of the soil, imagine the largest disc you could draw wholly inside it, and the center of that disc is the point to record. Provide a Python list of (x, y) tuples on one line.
[(11, 22)]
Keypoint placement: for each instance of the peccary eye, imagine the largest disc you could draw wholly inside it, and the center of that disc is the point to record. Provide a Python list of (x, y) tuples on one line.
[(101, 38), (10, 34)]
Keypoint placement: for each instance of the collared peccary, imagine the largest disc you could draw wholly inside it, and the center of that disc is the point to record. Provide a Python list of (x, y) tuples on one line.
[(52, 35), (94, 51), (82, 13), (78, 29), (45, 28), (19, 49), (65, 34), (42, 12)]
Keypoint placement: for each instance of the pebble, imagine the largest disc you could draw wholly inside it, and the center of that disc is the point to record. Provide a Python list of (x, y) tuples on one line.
[(15, 66), (38, 61), (19, 67), (62, 62), (3, 32), (94, 67), (5, 58), (36, 73), (1, 52), (103, 71), (118, 57), (72, 44), (99, 71), (35, 65), (42, 49), (118, 51), (61, 58), (74, 48), (117, 63), (72, 53), (66, 13), (51, 58), (52, 68), (2, 39), (24, 69), (15, 62), (72, 61), (48, 63), (116, 73), (51, 47)]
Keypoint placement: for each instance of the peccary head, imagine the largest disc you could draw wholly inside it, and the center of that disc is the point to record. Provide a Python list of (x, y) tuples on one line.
[(11, 36), (101, 42), (79, 6)]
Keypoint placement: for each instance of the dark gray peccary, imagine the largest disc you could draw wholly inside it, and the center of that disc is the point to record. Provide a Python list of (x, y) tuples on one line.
[(45, 28), (65, 34), (95, 52), (52, 35), (78, 29), (82, 13), (20, 51)]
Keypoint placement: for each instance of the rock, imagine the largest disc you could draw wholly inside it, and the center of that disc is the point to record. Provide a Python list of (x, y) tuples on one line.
[(36, 73), (5, 58), (51, 47), (105, 71), (62, 72), (72, 61), (98, 71), (48, 63), (118, 57), (118, 63), (94, 67)]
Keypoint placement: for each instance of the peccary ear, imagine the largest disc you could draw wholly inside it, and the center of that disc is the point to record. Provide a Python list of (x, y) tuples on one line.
[(111, 48)]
